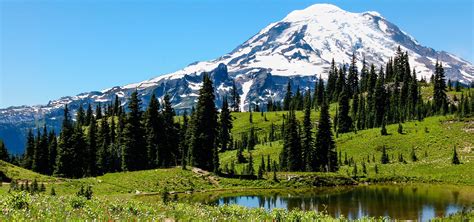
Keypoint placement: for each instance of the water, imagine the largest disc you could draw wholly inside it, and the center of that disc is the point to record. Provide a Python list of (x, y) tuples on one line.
[(404, 202)]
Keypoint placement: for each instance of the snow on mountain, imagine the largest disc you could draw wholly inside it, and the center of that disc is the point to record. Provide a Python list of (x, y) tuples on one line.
[(298, 48)]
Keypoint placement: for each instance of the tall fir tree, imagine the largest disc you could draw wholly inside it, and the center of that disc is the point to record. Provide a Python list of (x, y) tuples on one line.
[(235, 105), (344, 121), (353, 78), (439, 89), (4, 152), (307, 142), (153, 127), (202, 147), (66, 160), (331, 83), (225, 125), (325, 156), (287, 101), (90, 157), (292, 142), (29, 150), (133, 147)]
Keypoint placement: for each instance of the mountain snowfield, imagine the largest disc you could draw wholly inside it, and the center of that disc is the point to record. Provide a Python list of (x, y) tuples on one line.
[(299, 48)]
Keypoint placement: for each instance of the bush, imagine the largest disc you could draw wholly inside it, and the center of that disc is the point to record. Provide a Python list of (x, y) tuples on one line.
[(19, 200), (87, 193), (78, 202)]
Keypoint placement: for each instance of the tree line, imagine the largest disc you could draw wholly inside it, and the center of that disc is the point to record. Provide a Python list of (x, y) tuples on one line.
[(115, 138)]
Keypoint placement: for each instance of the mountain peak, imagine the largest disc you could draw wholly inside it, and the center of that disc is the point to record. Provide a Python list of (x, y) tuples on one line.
[(313, 11)]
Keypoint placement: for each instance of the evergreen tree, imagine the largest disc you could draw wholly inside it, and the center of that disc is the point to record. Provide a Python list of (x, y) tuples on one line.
[(53, 152), (439, 89), (225, 125), (380, 99), (29, 150), (332, 78), (153, 127), (204, 128), (455, 159), (133, 147), (235, 98), (89, 115), (252, 139), (307, 135), (104, 152), (292, 142), (340, 83), (353, 78), (168, 148), (250, 169), (40, 160), (413, 155), (319, 93), (68, 162), (384, 158), (288, 97), (325, 156), (4, 152), (343, 120), (80, 116), (90, 157)]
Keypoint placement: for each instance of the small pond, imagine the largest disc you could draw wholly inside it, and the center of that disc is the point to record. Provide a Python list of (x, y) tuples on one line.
[(404, 202)]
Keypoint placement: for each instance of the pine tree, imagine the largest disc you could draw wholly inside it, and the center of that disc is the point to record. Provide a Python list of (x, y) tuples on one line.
[(104, 152), (80, 116), (380, 99), (53, 152), (331, 83), (319, 93), (439, 89), (204, 128), (292, 142), (353, 78), (413, 155), (153, 126), (343, 120), (235, 98), (250, 169), (67, 161), (90, 158), (4, 152), (40, 160), (307, 135), (89, 115), (269, 165), (29, 150), (168, 148), (325, 156), (455, 159), (384, 158), (225, 123), (340, 83), (288, 97), (133, 147)]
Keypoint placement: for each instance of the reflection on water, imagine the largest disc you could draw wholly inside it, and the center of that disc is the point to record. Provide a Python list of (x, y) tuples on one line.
[(398, 202)]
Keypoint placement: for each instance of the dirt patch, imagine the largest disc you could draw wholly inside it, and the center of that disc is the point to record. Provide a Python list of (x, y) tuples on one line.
[(206, 174)]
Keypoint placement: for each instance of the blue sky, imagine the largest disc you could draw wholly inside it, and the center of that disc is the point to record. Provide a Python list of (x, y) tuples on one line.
[(50, 49)]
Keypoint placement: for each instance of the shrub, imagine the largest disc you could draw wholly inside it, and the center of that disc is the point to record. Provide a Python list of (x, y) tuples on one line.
[(19, 200), (78, 202)]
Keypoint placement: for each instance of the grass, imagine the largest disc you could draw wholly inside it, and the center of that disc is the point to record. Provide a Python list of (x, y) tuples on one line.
[(435, 136)]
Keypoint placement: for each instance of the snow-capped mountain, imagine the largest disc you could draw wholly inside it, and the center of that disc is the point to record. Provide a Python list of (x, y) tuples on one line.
[(298, 48)]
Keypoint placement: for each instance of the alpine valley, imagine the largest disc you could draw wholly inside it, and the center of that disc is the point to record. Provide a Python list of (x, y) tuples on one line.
[(299, 48)]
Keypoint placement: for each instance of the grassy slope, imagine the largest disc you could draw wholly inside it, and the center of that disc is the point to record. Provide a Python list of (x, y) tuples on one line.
[(443, 133)]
